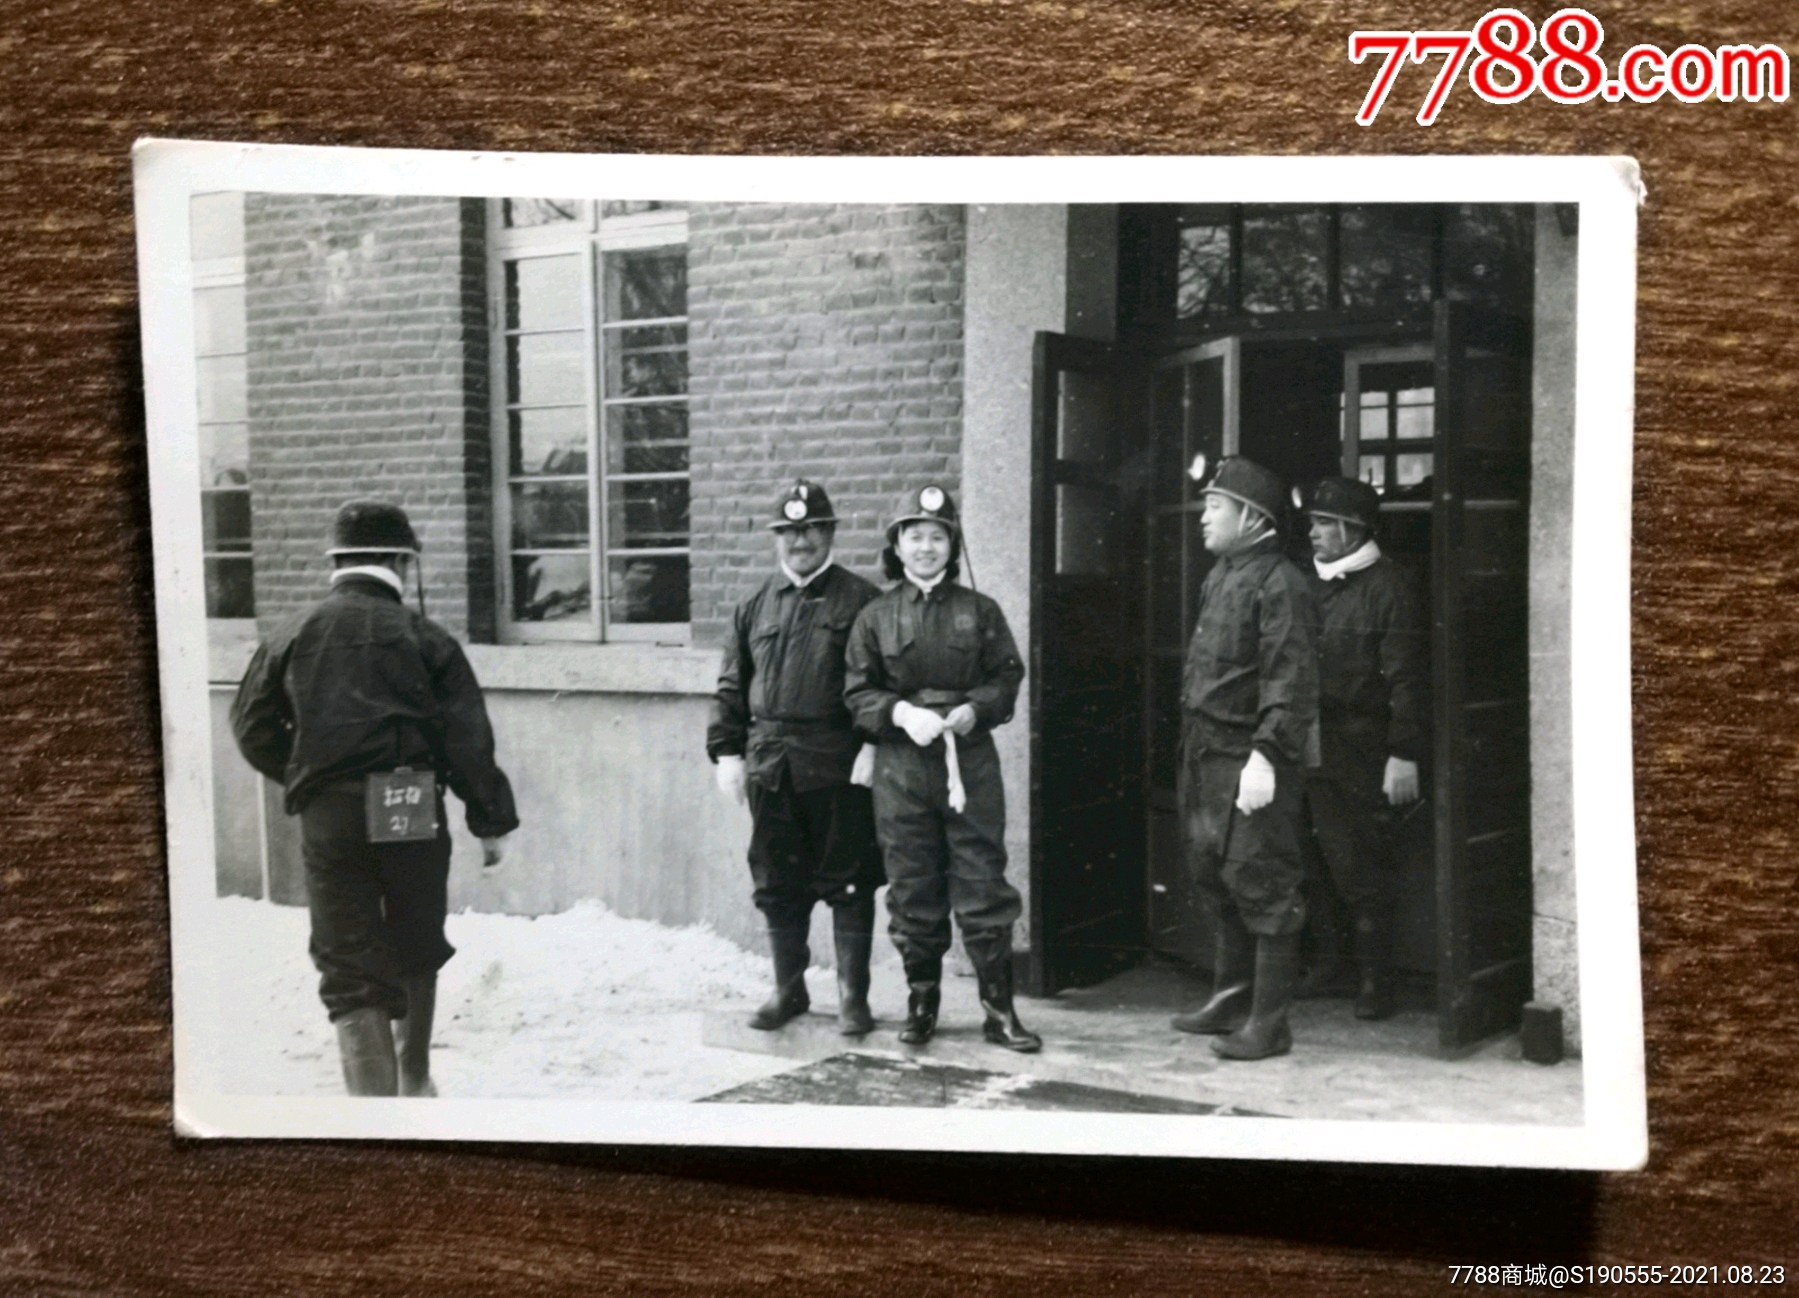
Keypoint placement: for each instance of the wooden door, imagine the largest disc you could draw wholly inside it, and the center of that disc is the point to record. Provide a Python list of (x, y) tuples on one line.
[(1480, 506), (1193, 409), (1086, 908)]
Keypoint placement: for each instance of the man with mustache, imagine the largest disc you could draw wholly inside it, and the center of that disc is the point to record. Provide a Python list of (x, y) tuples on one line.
[(783, 741)]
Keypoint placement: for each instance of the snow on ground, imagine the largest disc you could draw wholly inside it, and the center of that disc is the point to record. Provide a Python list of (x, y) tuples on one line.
[(582, 1004)]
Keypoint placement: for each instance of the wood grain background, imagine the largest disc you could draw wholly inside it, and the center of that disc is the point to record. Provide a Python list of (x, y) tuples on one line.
[(96, 1195)]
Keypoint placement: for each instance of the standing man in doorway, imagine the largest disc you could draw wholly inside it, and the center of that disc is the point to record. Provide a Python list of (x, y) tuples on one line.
[(1250, 696), (1373, 701), (360, 705), (783, 741)]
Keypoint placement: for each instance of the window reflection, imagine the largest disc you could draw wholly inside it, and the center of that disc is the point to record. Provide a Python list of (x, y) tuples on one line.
[(1385, 255), (1284, 256), (1387, 258)]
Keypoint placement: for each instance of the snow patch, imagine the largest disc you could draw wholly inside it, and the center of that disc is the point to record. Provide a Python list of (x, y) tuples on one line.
[(581, 1004)]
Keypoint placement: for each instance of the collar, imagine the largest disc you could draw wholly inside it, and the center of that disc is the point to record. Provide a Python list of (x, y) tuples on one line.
[(800, 583), (386, 576), (1252, 548), (1365, 555), (926, 587)]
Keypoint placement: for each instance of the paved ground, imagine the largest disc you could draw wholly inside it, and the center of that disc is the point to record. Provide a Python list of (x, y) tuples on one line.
[(1116, 1038)]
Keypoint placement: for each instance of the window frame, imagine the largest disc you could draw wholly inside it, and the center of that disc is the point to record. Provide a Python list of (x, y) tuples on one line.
[(590, 237), (1354, 360), (210, 273)]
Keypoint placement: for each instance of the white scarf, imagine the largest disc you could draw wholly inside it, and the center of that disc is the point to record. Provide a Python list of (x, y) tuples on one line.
[(1365, 555), (799, 582), (378, 571)]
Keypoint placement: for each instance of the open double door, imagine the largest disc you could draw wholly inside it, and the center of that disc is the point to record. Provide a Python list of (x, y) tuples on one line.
[(1117, 564)]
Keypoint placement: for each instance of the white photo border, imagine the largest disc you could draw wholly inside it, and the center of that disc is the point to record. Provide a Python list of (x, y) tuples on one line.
[(1614, 1134)]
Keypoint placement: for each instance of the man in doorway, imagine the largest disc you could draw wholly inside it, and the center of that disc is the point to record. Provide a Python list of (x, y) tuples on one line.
[(1250, 698), (360, 703), (1373, 701), (783, 741)]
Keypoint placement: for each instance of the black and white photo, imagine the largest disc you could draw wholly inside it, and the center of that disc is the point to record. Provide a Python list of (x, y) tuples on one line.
[(1046, 655)]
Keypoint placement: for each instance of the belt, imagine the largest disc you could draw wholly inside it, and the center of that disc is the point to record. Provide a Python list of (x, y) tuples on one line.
[(937, 698), (358, 784), (799, 725)]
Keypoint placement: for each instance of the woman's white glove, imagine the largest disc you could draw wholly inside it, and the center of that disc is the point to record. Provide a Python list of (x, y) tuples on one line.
[(961, 719), (730, 778), (863, 772), (1400, 783), (1255, 788), (923, 726)]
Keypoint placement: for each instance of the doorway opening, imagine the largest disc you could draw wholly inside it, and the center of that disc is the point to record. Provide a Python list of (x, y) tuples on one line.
[(1432, 408)]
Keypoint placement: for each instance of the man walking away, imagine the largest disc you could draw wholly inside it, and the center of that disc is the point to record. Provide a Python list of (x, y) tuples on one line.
[(362, 710)]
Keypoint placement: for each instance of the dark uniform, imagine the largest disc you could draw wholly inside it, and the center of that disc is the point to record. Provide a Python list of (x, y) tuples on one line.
[(1251, 683), (357, 685), (1373, 705), (938, 650), (1250, 687), (779, 706)]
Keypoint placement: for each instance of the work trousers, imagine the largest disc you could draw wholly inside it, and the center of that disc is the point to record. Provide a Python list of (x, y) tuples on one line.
[(377, 908), (1252, 864), (813, 846), (942, 862), (1354, 833)]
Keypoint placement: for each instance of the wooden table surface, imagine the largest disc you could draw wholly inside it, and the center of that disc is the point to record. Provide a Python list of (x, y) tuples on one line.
[(96, 1194)]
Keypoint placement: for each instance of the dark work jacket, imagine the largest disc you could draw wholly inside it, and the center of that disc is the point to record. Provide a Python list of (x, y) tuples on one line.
[(935, 651), (1251, 678), (779, 703), (358, 684), (1373, 674)]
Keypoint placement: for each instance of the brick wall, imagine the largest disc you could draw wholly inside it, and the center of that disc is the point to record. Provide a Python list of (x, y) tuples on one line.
[(825, 341), (368, 377)]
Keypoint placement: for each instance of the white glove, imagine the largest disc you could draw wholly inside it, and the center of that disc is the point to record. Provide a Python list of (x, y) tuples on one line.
[(863, 772), (961, 719), (1255, 788), (1401, 782), (730, 778), (493, 854), (922, 725)]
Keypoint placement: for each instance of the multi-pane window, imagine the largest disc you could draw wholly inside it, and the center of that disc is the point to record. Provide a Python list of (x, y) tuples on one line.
[(590, 381), (1234, 260), (216, 233), (1396, 421)]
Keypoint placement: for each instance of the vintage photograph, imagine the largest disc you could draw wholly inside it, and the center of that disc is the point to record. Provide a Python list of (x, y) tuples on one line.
[(1055, 655)]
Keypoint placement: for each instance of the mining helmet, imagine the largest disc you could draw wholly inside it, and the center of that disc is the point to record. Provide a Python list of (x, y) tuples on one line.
[(1348, 500), (372, 527), (1244, 481), (801, 505), (928, 504)]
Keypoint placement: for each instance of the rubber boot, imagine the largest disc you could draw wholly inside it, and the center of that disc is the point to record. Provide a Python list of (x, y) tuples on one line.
[(1325, 946), (412, 1036), (365, 1039), (789, 999), (925, 981), (991, 954), (1233, 969), (1374, 995), (852, 926), (1266, 1034)]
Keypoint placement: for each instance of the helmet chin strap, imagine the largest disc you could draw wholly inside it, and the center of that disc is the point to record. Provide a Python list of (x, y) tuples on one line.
[(1244, 535)]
